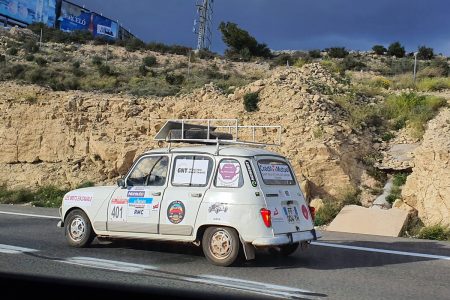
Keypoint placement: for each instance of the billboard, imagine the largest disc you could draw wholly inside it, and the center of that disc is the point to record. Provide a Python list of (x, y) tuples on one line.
[(73, 17), (104, 27), (30, 11)]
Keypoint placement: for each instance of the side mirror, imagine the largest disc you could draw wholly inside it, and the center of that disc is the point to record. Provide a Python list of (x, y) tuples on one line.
[(121, 182)]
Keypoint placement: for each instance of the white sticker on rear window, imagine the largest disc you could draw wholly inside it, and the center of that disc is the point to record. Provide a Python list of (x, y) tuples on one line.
[(275, 172), (190, 171), (228, 174)]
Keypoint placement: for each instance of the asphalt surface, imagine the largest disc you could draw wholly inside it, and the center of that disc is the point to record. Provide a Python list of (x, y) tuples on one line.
[(368, 267)]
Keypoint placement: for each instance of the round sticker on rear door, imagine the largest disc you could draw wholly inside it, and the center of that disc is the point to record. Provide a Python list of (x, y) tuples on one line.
[(175, 212), (305, 212)]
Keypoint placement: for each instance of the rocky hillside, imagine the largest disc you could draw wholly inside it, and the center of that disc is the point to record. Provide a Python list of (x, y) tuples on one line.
[(69, 115)]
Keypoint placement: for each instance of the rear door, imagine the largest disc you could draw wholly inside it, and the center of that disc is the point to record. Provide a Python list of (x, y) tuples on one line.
[(283, 196)]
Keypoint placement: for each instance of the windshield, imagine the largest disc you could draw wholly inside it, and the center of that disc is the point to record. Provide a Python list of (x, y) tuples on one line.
[(275, 172)]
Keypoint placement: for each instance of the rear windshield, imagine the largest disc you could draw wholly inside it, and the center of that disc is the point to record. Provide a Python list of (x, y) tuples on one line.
[(275, 172)]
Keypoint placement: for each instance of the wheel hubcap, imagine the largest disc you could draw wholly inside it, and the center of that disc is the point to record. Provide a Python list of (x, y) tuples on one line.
[(220, 245), (77, 229)]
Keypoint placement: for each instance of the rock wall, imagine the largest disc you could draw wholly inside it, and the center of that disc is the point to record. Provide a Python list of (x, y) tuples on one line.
[(427, 189), (65, 138)]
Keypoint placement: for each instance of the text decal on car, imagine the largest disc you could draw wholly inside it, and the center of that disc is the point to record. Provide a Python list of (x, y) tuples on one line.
[(250, 173)]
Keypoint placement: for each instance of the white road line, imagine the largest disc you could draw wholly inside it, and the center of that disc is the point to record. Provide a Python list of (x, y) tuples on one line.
[(108, 264), (261, 288), (8, 249), (424, 255), (29, 215)]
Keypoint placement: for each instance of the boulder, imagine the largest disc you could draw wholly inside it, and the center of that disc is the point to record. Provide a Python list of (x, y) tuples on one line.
[(376, 221)]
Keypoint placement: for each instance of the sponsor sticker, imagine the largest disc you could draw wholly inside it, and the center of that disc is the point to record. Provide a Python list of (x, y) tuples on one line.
[(305, 212), (155, 207), (250, 173), (139, 207), (138, 194), (176, 212), (190, 171), (218, 212), (275, 172), (118, 210), (78, 199), (228, 174)]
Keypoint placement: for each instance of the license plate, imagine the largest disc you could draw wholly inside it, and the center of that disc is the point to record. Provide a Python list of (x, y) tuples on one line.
[(291, 213)]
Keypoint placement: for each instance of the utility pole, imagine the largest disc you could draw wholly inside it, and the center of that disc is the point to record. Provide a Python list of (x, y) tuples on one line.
[(203, 30), (415, 66)]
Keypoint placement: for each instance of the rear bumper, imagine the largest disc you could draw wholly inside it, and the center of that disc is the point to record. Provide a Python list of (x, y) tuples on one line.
[(287, 238)]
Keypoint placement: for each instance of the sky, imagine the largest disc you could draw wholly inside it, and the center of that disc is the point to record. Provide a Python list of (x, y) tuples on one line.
[(291, 24)]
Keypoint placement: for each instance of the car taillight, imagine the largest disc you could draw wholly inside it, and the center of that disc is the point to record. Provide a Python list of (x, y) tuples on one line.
[(312, 211), (265, 214)]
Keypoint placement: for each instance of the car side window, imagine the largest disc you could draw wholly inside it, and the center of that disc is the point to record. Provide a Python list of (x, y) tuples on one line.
[(229, 174), (191, 170), (149, 171)]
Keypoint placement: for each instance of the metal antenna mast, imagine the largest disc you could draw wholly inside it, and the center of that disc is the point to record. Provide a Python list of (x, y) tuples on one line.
[(203, 23)]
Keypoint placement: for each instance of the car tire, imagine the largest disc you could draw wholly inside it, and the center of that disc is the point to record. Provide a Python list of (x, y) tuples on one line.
[(284, 250), (78, 229), (221, 245)]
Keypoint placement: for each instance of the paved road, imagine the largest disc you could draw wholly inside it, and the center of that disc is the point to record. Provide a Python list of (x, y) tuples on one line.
[(340, 266)]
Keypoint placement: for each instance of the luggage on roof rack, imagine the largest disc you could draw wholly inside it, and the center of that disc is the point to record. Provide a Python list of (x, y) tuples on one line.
[(217, 131)]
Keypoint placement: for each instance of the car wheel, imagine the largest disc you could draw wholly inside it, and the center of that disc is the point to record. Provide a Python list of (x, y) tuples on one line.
[(78, 229), (284, 250), (221, 245)]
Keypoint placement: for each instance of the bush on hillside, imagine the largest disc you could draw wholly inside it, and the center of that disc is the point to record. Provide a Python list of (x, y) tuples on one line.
[(174, 79), (379, 49), (315, 53), (435, 232), (251, 101), (149, 61), (396, 49), (337, 52), (425, 53)]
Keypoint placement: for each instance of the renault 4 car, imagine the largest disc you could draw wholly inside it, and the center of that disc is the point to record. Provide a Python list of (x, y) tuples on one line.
[(225, 195)]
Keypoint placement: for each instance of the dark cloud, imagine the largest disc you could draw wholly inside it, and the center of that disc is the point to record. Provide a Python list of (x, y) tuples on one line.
[(293, 24)]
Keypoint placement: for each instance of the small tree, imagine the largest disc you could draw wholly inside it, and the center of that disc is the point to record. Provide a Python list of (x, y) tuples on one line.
[(396, 49), (251, 101), (337, 52), (239, 41), (379, 49), (315, 53), (425, 53)]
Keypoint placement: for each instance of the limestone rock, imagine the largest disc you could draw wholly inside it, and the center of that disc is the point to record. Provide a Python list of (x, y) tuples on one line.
[(427, 189)]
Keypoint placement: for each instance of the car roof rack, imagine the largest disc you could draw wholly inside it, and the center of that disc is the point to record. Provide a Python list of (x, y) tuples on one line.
[(219, 132)]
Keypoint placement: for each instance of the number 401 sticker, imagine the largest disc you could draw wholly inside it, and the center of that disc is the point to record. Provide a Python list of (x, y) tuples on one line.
[(118, 210)]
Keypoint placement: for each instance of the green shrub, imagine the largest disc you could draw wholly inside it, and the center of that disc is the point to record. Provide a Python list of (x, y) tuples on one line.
[(206, 54), (149, 61), (412, 108), (352, 63), (433, 84), (327, 213), (400, 179), (425, 53), (143, 70), (396, 193), (29, 57), (16, 71), (379, 49), (104, 70), (2, 58), (381, 82), (396, 49), (49, 196), (12, 51), (97, 60), (174, 79), (76, 64), (435, 232), (387, 136), (31, 46), (134, 44), (251, 102), (315, 53), (399, 66), (41, 61), (337, 52)]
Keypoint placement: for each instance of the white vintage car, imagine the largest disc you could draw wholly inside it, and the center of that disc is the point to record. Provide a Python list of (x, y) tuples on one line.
[(225, 197)]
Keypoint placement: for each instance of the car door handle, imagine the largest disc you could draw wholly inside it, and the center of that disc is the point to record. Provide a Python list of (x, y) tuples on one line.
[(156, 194), (196, 195)]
